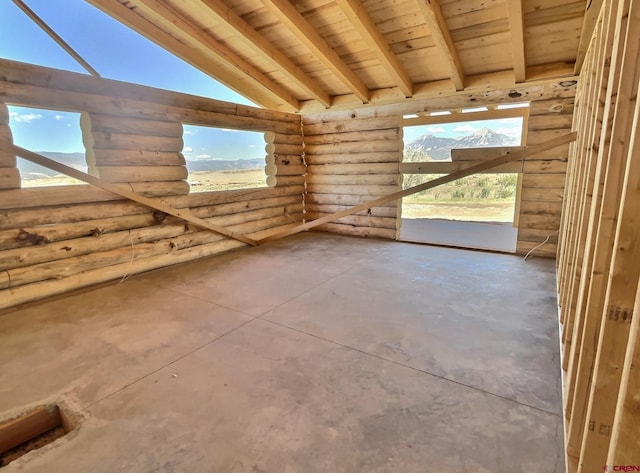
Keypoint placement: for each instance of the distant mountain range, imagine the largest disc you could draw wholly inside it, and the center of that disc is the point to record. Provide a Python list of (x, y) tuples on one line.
[(28, 170), (436, 148), (224, 165), (439, 149)]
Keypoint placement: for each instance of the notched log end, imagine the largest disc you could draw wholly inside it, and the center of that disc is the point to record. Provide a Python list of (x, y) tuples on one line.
[(26, 238)]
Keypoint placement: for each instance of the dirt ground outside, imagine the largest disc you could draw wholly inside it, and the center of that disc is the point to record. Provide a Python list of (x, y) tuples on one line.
[(469, 212)]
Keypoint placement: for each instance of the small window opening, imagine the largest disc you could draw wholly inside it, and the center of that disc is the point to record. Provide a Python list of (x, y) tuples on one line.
[(220, 159), (55, 134)]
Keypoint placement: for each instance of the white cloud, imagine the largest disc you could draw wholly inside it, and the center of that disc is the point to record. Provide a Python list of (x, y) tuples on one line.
[(59, 117), (252, 146), (228, 129), (435, 129), (25, 117), (465, 129), (187, 149), (509, 131), (203, 156), (189, 132)]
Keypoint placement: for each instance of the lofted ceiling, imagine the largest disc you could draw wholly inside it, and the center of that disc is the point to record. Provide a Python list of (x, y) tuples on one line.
[(310, 55)]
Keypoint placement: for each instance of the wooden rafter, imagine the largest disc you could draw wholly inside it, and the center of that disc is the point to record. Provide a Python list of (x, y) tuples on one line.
[(442, 37), (360, 19), (516, 25), (246, 33), (232, 78), (295, 22), (173, 20)]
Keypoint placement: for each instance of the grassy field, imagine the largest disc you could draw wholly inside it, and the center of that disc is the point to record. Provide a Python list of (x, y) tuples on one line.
[(481, 198), (486, 197), (205, 181)]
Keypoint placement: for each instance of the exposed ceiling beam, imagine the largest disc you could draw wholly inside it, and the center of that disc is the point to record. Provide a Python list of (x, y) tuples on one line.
[(232, 78), (295, 22), (360, 19), (437, 25), (235, 23), (173, 21), (516, 25), (591, 15)]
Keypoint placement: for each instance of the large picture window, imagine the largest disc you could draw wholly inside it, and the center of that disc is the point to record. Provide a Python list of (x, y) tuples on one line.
[(434, 145)]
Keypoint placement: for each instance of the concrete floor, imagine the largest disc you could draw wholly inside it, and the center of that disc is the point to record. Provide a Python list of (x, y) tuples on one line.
[(318, 353)]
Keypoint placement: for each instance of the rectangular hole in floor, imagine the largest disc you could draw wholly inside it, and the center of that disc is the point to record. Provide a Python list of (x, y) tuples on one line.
[(31, 431)]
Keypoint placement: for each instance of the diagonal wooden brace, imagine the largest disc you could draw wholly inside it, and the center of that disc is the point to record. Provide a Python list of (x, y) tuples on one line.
[(503, 159), (184, 214)]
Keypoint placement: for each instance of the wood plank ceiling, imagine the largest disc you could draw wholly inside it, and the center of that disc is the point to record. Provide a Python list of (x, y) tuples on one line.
[(310, 55)]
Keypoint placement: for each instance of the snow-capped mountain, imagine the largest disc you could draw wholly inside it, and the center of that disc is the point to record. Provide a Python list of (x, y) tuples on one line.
[(438, 148)]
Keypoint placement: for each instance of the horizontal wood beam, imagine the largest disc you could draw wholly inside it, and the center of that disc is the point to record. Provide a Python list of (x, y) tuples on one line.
[(298, 24), (360, 19), (119, 189), (439, 30), (504, 159), (465, 117)]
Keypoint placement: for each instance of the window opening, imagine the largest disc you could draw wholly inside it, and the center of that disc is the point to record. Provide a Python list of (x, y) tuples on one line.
[(55, 134), (223, 159)]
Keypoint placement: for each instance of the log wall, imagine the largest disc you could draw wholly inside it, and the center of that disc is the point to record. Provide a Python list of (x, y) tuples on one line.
[(9, 176), (349, 162), (599, 254), (355, 156), (57, 239)]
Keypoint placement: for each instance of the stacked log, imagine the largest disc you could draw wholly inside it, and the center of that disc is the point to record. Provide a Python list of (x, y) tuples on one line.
[(285, 164), (9, 175), (114, 145), (91, 243), (350, 161), (543, 179)]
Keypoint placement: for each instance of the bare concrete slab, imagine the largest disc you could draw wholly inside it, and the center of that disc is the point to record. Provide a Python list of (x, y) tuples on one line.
[(318, 353)]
